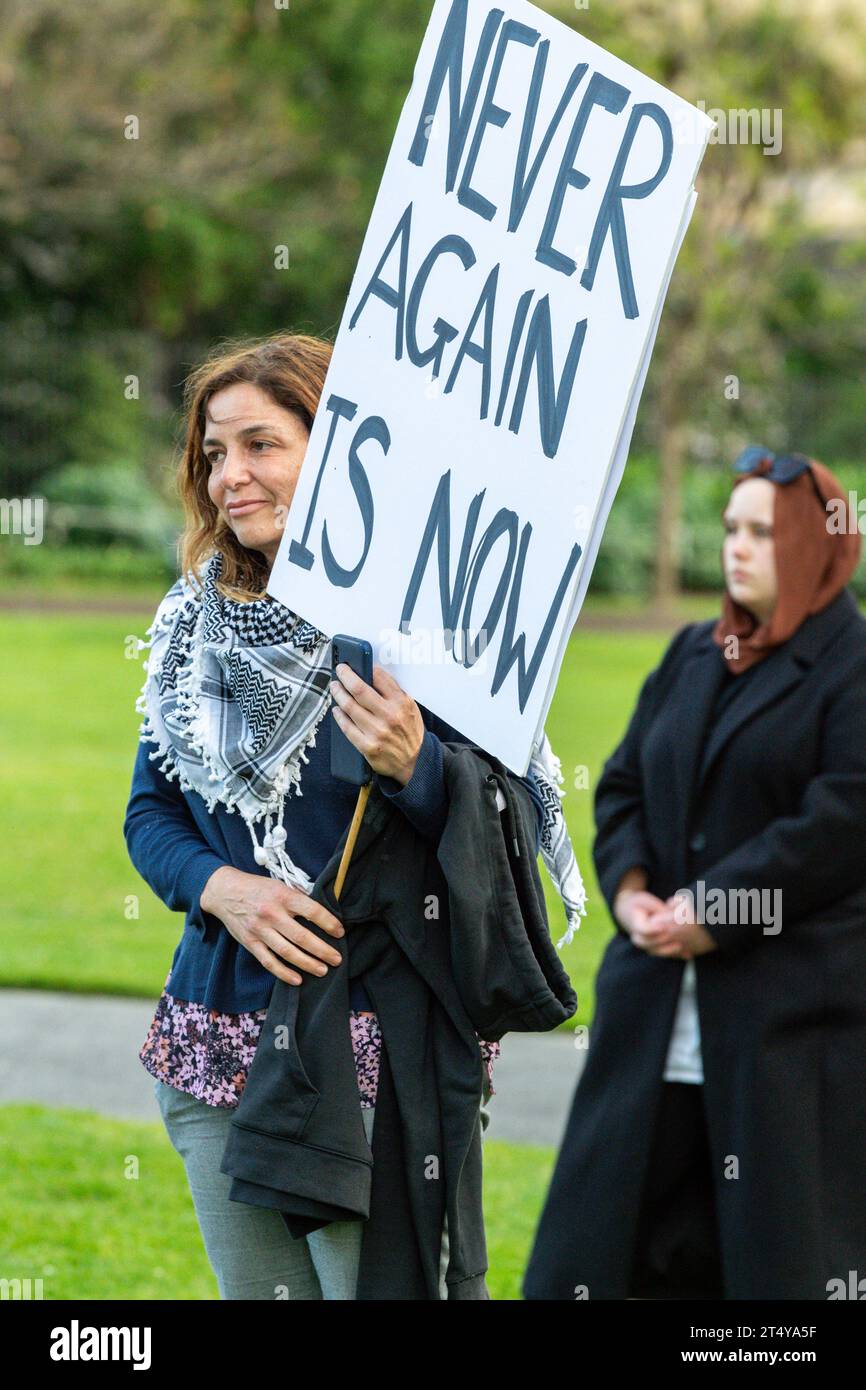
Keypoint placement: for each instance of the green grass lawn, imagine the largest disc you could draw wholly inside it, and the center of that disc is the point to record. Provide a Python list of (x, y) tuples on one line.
[(114, 1219), (68, 738)]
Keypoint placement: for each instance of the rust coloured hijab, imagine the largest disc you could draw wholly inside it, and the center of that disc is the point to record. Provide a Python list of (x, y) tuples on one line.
[(813, 563)]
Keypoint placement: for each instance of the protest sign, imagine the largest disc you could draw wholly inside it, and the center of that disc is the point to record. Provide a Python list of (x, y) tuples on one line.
[(481, 397)]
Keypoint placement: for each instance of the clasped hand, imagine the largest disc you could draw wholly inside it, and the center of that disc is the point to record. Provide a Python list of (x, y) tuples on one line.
[(662, 928)]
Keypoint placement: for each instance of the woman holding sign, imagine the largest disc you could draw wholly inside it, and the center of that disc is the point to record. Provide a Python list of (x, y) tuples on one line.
[(237, 691), (716, 1147)]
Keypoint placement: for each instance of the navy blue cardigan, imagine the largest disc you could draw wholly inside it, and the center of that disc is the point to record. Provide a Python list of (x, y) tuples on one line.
[(176, 844)]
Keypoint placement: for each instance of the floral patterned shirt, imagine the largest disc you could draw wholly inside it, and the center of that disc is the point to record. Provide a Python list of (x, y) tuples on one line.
[(208, 1054)]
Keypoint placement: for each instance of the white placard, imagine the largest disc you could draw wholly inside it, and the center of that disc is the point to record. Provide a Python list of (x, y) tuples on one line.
[(479, 405)]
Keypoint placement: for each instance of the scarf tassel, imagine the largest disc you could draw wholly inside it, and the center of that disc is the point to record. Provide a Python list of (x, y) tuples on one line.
[(271, 855)]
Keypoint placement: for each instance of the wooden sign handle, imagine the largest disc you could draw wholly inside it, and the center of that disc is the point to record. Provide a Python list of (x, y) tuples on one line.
[(358, 816)]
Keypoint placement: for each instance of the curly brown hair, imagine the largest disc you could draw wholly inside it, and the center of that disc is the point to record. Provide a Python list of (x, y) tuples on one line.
[(291, 368)]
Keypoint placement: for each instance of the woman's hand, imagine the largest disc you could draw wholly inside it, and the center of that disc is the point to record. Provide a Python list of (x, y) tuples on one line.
[(673, 931), (659, 928), (381, 720), (261, 913), (633, 908)]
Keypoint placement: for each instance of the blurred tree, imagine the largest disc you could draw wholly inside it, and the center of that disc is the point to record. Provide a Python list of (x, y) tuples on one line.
[(256, 128), (763, 302), (122, 205)]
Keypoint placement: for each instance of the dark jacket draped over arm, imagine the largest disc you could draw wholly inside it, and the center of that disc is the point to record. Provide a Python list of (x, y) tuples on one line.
[(452, 940)]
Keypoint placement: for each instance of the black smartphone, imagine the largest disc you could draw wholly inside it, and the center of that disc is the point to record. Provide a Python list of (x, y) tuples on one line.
[(348, 762)]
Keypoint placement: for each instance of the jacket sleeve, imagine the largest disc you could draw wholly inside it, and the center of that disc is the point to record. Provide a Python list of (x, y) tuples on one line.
[(164, 843), (424, 799), (621, 841), (815, 857)]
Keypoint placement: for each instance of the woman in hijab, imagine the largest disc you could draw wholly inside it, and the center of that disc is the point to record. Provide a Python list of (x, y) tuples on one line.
[(716, 1146), (236, 697)]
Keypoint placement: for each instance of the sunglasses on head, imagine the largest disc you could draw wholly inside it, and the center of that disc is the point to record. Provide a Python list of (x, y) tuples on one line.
[(784, 468)]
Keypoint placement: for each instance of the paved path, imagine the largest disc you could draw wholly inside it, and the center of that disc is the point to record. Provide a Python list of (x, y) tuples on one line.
[(81, 1051)]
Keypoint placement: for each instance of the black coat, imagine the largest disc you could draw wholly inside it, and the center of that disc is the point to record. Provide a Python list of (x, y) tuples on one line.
[(772, 795), (452, 940)]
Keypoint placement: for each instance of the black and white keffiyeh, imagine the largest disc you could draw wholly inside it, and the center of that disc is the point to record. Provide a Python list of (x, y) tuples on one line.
[(233, 698)]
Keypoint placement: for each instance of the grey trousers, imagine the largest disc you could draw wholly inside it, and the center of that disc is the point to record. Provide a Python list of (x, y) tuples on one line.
[(249, 1248)]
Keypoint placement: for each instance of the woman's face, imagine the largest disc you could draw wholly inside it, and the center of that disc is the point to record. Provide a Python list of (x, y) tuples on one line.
[(748, 553), (254, 449)]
